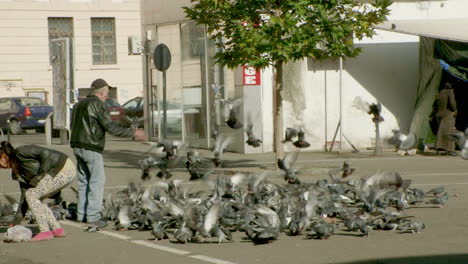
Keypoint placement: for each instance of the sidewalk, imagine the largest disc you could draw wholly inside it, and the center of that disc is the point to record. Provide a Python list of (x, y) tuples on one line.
[(121, 157)]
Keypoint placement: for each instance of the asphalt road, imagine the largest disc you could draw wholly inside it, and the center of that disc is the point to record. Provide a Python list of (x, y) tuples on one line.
[(445, 239)]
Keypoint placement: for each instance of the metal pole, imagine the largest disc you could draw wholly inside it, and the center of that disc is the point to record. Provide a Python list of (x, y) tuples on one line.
[(8, 131), (341, 103), (48, 129), (164, 129)]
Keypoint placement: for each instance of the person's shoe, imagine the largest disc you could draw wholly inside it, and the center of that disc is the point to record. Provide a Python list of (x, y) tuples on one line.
[(98, 224), (42, 236), (59, 232)]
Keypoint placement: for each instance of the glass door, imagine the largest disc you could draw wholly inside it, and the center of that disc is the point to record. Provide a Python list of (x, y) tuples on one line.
[(199, 81), (169, 97)]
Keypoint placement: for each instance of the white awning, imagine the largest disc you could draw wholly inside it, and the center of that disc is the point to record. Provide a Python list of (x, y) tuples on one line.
[(450, 29)]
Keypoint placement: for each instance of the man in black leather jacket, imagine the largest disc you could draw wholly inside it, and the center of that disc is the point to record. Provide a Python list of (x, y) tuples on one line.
[(90, 121)]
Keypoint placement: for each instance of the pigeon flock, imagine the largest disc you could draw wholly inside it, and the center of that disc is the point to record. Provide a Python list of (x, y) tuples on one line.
[(258, 204)]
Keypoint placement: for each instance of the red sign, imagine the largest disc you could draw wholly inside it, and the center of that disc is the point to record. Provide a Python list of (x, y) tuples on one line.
[(250, 75)]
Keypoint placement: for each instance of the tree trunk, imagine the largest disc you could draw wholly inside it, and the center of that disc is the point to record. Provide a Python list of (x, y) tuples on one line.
[(278, 112)]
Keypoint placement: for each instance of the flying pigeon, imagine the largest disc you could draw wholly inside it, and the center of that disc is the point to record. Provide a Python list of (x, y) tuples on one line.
[(301, 143), (220, 145), (233, 106), (252, 139), (286, 165), (372, 109), (290, 134), (146, 165)]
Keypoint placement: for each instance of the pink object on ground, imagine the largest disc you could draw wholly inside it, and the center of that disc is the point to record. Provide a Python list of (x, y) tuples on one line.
[(43, 236), (59, 232)]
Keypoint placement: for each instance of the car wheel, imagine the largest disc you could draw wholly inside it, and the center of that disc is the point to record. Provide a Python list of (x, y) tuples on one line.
[(15, 127)]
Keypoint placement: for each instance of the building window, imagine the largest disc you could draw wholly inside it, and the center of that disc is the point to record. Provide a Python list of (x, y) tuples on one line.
[(103, 35), (60, 27)]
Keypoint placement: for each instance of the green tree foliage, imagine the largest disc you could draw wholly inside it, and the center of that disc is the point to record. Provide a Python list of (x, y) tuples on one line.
[(264, 33)]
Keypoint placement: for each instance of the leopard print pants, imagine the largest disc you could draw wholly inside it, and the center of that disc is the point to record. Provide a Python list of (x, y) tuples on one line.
[(45, 188)]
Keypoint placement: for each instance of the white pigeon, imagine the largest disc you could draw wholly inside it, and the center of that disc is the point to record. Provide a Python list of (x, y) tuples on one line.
[(18, 234)]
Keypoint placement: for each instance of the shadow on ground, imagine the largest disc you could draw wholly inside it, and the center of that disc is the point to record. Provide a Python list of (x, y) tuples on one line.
[(131, 158), (438, 259)]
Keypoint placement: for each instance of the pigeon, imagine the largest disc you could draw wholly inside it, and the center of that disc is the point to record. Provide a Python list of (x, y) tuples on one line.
[(163, 165), (192, 159), (233, 105), (123, 219), (373, 187), (169, 148), (183, 234), (286, 165), (322, 230), (198, 175), (375, 110), (17, 234), (436, 191), (252, 139), (461, 142), (402, 141), (290, 134), (440, 200), (372, 109), (412, 227), (301, 143), (158, 232), (346, 169), (146, 165), (220, 145)]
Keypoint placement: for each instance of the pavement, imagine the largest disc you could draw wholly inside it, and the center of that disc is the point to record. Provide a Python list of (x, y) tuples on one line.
[(445, 239)]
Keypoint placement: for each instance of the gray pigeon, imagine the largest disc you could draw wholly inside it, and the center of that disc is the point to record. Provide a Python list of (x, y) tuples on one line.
[(440, 200), (412, 227), (233, 107), (462, 142), (402, 141), (286, 165), (158, 232), (183, 234), (252, 139), (436, 191), (290, 134), (301, 142), (322, 230), (220, 145), (146, 165)]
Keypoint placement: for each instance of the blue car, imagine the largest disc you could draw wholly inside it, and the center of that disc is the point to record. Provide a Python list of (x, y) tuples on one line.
[(23, 113)]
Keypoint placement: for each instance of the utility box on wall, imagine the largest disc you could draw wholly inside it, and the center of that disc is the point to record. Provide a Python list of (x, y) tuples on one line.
[(134, 45)]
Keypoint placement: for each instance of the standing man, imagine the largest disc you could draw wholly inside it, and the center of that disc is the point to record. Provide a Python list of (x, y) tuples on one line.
[(90, 121)]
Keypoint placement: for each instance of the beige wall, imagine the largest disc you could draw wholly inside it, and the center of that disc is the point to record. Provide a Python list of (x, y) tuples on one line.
[(163, 11), (24, 52)]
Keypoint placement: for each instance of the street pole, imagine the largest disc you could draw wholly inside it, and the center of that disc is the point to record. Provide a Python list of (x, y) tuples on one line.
[(164, 129)]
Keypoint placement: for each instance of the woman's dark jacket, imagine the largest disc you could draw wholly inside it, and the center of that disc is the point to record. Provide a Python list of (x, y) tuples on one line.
[(90, 121), (35, 162)]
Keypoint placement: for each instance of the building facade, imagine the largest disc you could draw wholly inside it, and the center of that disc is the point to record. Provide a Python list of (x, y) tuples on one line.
[(320, 96), (98, 34)]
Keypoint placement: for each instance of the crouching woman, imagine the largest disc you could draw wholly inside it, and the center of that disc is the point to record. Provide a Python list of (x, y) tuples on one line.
[(41, 173)]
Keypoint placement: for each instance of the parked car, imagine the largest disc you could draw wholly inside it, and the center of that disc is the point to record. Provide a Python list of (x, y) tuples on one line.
[(23, 113), (133, 108), (115, 109)]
